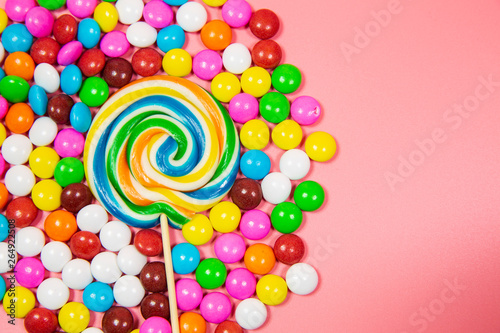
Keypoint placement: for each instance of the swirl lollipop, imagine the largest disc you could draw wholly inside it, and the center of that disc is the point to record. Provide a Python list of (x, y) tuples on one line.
[(161, 147)]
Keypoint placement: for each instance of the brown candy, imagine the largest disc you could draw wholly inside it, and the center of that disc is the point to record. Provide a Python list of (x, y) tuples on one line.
[(117, 320), (246, 193), (59, 108), (153, 277), (155, 304), (75, 196), (117, 72)]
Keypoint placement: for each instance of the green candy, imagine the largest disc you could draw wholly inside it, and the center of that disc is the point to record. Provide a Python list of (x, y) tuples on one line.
[(286, 217), (14, 89), (211, 273), (286, 78), (52, 4), (94, 91), (309, 196), (274, 107), (69, 170)]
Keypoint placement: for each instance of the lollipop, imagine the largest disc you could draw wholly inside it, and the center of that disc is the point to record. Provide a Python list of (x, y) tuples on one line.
[(161, 147)]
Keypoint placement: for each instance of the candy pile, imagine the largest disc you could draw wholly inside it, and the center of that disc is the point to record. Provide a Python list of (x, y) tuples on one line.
[(90, 127)]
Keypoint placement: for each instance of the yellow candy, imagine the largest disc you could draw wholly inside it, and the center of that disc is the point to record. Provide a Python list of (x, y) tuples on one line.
[(320, 146), (254, 134), (74, 317), (135, 331), (272, 289), (215, 3), (225, 86), (177, 62), (3, 20), (3, 134), (225, 216), (18, 301), (287, 134), (43, 161), (198, 231), (256, 81), (46, 195), (106, 16)]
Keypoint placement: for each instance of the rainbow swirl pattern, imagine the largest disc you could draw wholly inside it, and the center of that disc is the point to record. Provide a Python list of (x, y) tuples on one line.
[(161, 145)]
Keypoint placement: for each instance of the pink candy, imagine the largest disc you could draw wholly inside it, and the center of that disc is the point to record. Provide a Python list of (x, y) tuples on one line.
[(69, 53), (39, 22), (241, 283), (158, 14), (16, 9), (189, 294), (2, 164), (4, 107), (69, 143), (114, 44), (155, 325), (255, 224), (305, 110), (29, 272), (215, 307), (81, 8), (243, 107), (229, 248), (207, 64), (236, 13)]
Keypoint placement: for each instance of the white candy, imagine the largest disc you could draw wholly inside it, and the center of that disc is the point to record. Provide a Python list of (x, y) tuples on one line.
[(141, 34), (128, 291), (92, 218), (130, 260), (16, 149), (191, 16), (19, 180), (47, 77), (52, 293), (29, 241), (295, 164), (55, 255), (104, 267), (76, 274), (236, 58), (251, 314), (8, 259), (276, 188), (43, 131), (129, 11), (92, 330), (115, 235), (301, 279), (2, 52)]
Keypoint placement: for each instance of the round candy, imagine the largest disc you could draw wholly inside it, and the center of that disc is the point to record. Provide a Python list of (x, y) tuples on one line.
[(29, 272), (272, 289), (236, 13), (229, 248), (289, 249), (65, 28), (94, 92), (43, 162), (228, 326), (16, 10), (85, 245), (20, 180), (98, 297), (76, 196), (39, 22), (286, 217), (171, 37), (80, 117), (74, 317), (46, 195), (60, 225), (256, 81), (214, 3), (3, 20), (129, 11), (106, 16), (130, 261), (81, 8), (225, 86), (89, 33), (118, 72), (115, 235), (255, 164), (141, 34), (148, 242), (216, 35), (251, 314), (43, 131), (286, 78), (305, 110), (287, 134), (4, 195), (69, 170), (177, 62), (211, 273), (255, 224), (29, 241), (246, 193), (189, 294), (104, 267), (52, 4), (264, 24), (92, 218), (19, 118), (198, 231), (21, 301), (243, 107), (259, 258), (215, 307), (16, 37), (266, 54), (3, 287), (118, 320), (76, 274), (240, 283), (52, 293), (59, 108), (146, 62), (309, 196), (20, 64), (47, 77), (225, 216), (295, 164), (55, 255), (302, 279), (4, 106), (69, 53), (128, 291), (4, 232), (91, 62), (158, 14), (40, 320), (16, 149), (71, 79), (14, 89), (191, 16), (207, 64), (155, 305), (45, 49), (274, 107), (236, 58), (320, 146), (191, 322), (276, 187), (185, 258), (155, 325), (254, 134), (153, 277), (114, 44)]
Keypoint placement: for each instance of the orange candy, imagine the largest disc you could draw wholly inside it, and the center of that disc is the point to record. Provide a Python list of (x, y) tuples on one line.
[(19, 118), (259, 258), (216, 35), (20, 64), (60, 225), (191, 322), (4, 196)]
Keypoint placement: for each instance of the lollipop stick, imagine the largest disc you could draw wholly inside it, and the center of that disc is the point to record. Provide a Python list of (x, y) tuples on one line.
[(169, 270)]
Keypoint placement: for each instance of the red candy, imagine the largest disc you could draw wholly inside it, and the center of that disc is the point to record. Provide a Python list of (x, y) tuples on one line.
[(228, 327), (246, 193), (148, 242), (65, 28), (45, 50), (92, 62), (264, 24), (22, 210), (289, 249), (146, 62), (117, 72), (59, 108), (85, 245), (40, 320), (266, 54)]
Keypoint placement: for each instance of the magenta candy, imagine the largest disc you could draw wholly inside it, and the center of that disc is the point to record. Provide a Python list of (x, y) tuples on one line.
[(4, 107), (114, 44), (229, 248), (155, 325), (305, 110), (81, 8), (69, 143), (255, 224), (189, 294), (39, 22), (29, 272), (241, 283), (16, 9), (243, 107), (215, 307), (158, 14), (236, 13), (207, 64), (2, 164), (69, 53)]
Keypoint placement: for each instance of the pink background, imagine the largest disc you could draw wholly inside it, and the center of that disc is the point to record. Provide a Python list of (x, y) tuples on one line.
[(420, 255)]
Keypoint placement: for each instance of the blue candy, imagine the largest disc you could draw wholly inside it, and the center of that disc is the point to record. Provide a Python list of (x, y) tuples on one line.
[(98, 297), (71, 79), (255, 164), (16, 37), (4, 228), (185, 258), (175, 2), (89, 33), (38, 100), (80, 117), (171, 37), (3, 288), (2, 74)]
